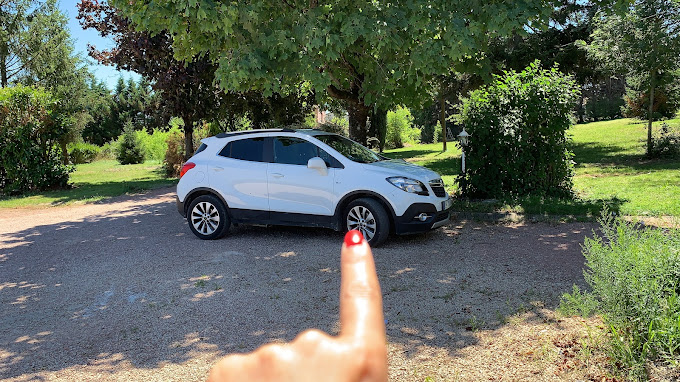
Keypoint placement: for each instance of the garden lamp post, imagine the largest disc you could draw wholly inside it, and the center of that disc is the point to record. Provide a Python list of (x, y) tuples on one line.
[(463, 138)]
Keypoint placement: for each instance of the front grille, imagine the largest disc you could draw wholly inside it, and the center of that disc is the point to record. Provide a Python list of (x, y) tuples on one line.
[(437, 187)]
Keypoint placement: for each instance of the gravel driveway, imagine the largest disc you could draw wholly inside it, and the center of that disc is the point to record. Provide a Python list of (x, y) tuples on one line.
[(123, 291)]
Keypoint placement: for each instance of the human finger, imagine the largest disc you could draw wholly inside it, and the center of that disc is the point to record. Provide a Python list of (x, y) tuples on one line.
[(361, 313)]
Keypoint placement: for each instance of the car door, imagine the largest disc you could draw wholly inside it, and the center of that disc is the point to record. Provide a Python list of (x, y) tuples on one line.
[(296, 189), (239, 173)]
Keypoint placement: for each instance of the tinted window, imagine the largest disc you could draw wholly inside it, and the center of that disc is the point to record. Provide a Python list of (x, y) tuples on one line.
[(298, 151), (250, 149), (350, 149), (200, 148), (294, 151)]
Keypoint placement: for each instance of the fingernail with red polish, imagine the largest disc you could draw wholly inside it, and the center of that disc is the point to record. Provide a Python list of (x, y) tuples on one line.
[(353, 237)]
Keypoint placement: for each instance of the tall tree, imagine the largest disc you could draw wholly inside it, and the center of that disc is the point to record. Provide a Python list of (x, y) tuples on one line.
[(185, 89), (644, 42), (14, 16), (36, 49), (368, 53)]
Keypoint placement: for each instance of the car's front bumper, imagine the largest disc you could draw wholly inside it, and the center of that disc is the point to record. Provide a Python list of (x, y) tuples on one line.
[(409, 222)]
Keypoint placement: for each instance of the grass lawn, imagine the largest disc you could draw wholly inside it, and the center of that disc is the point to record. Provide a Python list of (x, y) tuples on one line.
[(610, 170), (96, 181)]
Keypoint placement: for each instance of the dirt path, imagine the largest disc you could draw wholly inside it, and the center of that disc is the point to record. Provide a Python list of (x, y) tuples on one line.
[(123, 291)]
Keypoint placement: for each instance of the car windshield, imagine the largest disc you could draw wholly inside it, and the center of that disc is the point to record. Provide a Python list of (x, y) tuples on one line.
[(352, 150)]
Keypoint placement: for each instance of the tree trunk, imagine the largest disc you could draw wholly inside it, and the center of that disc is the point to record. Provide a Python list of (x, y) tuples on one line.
[(379, 126), (4, 52), (188, 139), (650, 112), (358, 115), (442, 117), (64, 151), (580, 110)]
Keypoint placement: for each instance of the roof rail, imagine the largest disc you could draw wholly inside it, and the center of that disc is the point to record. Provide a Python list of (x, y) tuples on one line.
[(235, 133)]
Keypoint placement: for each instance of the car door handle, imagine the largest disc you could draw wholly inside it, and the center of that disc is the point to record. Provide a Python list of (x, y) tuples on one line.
[(277, 175), (218, 168)]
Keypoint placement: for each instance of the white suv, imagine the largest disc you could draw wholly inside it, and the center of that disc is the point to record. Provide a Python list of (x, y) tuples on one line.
[(306, 178)]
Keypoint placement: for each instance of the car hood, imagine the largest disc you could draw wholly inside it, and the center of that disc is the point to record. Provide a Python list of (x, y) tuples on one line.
[(398, 167)]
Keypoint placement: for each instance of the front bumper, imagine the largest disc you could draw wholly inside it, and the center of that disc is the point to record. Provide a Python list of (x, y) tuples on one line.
[(409, 222), (180, 207)]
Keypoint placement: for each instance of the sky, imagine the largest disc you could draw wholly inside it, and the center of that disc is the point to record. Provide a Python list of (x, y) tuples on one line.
[(81, 38)]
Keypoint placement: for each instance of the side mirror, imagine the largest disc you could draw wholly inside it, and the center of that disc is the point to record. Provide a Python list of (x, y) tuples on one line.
[(319, 165)]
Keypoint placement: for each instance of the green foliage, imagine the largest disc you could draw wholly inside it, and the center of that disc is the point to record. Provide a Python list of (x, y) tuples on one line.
[(603, 108), (578, 303), (666, 97), (154, 145), (108, 150), (518, 142), (667, 144), (365, 53), (336, 128), (81, 152), (643, 43), (634, 274), (29, 132), (400, 129), (431, 133), (129, 151), (174, 155)]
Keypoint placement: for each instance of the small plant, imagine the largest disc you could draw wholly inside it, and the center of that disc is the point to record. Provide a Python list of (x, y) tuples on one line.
[(667, 145), (83, 152), (634, 274), (200, 284), (130, 149), (400, 129)]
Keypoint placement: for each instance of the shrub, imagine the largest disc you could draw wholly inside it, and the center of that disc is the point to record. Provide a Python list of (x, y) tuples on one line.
[(431, 133), (667, 145), (30, 158), (634, 274), (174, 155), (400, 129), (666, 97), (603, 109), (108, 150), (154, 145), (81, 152), (130, 149), (518, 142)]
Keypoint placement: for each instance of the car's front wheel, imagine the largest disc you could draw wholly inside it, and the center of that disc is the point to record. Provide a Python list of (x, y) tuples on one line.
[(207, 217), (368, 216)]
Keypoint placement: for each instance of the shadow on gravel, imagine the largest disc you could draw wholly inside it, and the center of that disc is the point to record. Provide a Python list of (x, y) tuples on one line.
[(135, 289)]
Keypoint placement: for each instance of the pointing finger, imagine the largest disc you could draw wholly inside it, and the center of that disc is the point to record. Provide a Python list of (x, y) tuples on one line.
[(361, 313)]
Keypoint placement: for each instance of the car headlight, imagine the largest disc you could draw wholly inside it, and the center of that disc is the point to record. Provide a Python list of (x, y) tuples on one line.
[(408, 185)]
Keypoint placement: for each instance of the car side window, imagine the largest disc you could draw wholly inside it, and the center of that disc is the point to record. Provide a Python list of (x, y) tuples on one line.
[(290, 150), (250, 149)]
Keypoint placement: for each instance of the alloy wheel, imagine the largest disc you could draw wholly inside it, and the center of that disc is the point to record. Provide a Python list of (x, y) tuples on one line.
[(205, 218), (361, 219)]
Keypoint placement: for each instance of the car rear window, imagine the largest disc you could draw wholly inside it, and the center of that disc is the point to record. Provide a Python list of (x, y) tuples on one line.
[(200, 148), (250, 149)]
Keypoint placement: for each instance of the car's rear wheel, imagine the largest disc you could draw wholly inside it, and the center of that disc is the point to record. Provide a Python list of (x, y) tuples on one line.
[(368, 216), (207, 217)]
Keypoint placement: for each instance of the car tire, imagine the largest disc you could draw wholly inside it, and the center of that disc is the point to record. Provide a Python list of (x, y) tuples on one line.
[(207, 217), (369, 217)]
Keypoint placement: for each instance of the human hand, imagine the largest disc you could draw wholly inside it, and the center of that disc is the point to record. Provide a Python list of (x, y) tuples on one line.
[(358, 353)]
